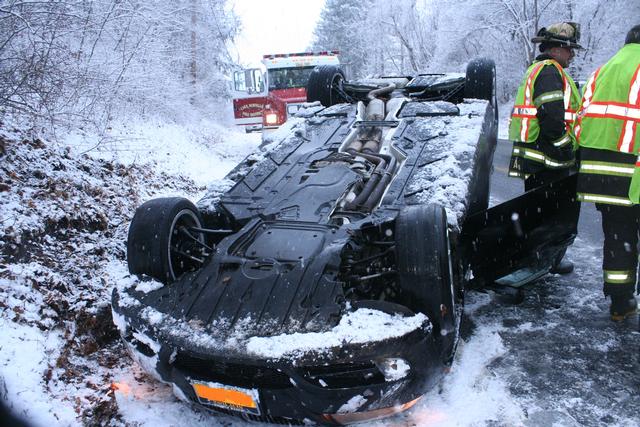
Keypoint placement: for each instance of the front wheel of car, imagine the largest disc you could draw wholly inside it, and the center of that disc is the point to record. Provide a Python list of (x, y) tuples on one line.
[(325, 85), (425, 273), (166, 239)]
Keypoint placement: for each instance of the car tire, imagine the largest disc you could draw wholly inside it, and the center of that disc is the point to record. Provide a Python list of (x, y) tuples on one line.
[(425, 271), (324, 85), (158, 246), (480, 81)]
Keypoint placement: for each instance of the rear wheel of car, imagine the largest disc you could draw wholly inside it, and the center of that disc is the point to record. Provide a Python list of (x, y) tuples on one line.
[(425, 272), (480, 82), (325, 85), (164, 241)]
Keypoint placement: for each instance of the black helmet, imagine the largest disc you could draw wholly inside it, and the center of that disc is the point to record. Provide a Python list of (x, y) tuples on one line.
[(562, 34), (633, 36)]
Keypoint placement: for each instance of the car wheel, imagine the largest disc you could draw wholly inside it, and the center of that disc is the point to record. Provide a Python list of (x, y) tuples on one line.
[(425, 272), (480, 82), (324, 85), (163, 239)]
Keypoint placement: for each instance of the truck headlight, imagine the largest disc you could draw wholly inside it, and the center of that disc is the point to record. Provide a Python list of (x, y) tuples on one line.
[(271, 119)]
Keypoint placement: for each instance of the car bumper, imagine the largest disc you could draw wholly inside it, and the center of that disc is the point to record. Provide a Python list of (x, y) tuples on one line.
[(348, 384)]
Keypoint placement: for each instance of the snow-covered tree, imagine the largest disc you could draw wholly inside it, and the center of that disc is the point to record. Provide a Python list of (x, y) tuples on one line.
[(89, 59), (340, 27), (407, 36)]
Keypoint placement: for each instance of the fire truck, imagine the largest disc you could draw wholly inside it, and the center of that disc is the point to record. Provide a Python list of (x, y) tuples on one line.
[(265, 97)]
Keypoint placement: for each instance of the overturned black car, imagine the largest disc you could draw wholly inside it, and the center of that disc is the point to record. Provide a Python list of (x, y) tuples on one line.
[(323, 280)]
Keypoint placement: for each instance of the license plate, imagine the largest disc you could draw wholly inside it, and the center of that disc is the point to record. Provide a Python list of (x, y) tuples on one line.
[(227, 397)]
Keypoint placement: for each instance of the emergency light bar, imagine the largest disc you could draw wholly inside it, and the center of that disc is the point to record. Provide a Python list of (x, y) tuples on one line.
[(286, 55)]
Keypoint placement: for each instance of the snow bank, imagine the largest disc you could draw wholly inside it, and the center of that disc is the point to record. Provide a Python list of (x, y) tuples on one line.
[(64, 220), (204, 151), (24, 366)]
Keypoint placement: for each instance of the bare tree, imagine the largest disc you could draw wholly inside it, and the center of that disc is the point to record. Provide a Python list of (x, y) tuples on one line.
[(69, 60)]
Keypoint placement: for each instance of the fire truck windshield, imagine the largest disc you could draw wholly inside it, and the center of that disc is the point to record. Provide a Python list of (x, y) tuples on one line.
[(288, 78)]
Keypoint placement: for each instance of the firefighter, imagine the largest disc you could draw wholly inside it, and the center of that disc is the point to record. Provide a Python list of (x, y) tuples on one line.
[(607, 135), (543, 116)]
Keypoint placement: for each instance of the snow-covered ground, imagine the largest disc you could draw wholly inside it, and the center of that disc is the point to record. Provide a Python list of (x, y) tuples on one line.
[(64, 216)]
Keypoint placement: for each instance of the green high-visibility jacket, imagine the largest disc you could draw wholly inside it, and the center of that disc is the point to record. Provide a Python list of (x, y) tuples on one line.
[(524, 127), (607, 131)]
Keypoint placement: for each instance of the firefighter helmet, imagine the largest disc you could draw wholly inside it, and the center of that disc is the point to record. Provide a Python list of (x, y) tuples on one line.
[(633, 36), (563, 34)]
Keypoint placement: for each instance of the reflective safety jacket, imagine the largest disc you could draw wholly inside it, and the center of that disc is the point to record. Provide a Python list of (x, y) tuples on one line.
[(607, 131), (546, 97)]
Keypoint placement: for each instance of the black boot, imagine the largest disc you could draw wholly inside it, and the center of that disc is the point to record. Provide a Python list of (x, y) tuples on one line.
[(562, 267), (623, 306)]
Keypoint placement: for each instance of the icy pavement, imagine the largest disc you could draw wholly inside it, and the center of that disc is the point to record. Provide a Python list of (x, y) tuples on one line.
[(566, 362)]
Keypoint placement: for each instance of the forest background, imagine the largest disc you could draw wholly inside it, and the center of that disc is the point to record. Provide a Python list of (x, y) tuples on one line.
[(89, 62)]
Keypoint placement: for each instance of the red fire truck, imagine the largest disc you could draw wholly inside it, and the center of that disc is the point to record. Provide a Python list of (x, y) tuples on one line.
[(266, 97)]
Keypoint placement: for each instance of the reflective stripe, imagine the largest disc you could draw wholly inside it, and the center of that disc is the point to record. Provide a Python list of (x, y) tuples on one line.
[(524, 127), (532, 154), (628, 132), (562, 141), (569, 115), (613, 111), (539, 157), (596, 198), (586, 102), (625, 144), (554, 164), (549, 97), (587, 167), (625, 276), (525, 111)]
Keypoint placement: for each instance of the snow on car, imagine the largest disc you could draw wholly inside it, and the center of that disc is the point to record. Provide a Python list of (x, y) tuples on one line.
[(325, 282)]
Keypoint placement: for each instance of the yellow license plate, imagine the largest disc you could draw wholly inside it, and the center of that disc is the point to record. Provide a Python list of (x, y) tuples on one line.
[(227, 397)]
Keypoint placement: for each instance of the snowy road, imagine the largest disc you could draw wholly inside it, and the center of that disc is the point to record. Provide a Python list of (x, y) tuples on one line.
[(564, 361)]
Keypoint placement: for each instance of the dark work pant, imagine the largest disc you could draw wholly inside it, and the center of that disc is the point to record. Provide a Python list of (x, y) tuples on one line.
[(620, 225)]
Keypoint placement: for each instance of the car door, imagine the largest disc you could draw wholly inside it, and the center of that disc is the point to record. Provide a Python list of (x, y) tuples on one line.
[(249, 97), (516, 242)]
